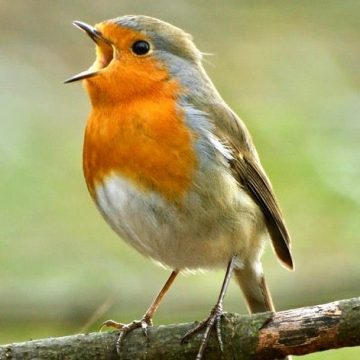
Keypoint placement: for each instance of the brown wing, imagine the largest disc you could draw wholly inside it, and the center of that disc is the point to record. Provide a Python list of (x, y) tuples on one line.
[(252, 177), (248, 171)]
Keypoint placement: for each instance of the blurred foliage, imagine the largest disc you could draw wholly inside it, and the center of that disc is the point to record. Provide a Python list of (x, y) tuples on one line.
[(291, 71)]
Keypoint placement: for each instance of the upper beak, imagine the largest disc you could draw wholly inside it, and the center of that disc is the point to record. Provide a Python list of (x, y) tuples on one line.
[(91, 31), (97, 37)]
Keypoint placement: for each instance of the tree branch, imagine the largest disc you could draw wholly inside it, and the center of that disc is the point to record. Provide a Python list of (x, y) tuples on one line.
[(261, 336)]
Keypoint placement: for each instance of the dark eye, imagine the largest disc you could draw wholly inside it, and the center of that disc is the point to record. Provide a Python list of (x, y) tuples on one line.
[(140, 47)]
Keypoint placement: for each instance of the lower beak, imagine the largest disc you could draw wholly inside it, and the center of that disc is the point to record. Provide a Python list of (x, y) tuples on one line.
[(83, 75), (97, 37)]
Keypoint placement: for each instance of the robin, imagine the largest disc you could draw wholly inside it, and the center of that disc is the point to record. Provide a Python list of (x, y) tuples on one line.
[(172, 168)]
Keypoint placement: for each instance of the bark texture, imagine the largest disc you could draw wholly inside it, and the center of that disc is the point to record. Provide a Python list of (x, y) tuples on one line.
[(261, 336)]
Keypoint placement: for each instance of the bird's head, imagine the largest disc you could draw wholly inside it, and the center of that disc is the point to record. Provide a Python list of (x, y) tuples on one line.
[(136, 56)]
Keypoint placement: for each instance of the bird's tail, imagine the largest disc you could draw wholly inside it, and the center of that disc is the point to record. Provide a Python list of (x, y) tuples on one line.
[(257, 295)]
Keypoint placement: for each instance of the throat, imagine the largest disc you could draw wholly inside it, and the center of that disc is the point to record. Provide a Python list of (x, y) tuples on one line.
[(145, 141)]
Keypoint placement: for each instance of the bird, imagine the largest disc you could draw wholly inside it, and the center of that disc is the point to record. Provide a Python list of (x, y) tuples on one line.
[(171, 167)]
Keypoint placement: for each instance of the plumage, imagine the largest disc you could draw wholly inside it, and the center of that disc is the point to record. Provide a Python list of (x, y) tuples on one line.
[(252, 177), (171, 167)]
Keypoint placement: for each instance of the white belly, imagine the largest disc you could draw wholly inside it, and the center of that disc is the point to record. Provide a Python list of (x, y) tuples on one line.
[(211, 226)]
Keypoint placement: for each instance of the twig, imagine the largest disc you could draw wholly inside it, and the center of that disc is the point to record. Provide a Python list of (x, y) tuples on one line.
[(261, 336)]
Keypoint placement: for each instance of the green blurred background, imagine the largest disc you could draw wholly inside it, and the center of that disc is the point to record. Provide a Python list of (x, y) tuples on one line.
[(290, 69)]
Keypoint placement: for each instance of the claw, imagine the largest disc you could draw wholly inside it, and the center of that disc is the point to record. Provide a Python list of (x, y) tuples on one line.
[(218, 332), (192, 332), (127, 328), (213, 320), (112, 324), (144, 327)]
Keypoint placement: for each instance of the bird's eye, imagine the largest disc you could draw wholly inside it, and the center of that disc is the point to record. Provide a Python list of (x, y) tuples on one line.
[(140, 47)]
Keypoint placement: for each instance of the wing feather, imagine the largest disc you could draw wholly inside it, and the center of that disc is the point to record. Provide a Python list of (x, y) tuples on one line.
[(247, 169), (253, 178)]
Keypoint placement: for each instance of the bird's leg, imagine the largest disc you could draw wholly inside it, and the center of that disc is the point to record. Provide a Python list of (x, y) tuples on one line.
[(146, 321), (214, 318)]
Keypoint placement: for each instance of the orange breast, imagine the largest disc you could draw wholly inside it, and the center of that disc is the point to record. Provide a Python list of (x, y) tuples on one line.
[(145, 140)]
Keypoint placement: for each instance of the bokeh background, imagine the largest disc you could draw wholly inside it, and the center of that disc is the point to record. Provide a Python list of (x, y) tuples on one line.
[(290, 69)]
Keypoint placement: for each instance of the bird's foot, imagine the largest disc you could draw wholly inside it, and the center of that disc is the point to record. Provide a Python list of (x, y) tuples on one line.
[(125, 329), (212, 321)]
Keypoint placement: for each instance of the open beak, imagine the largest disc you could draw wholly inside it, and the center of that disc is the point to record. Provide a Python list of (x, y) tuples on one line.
[(99, 40)]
